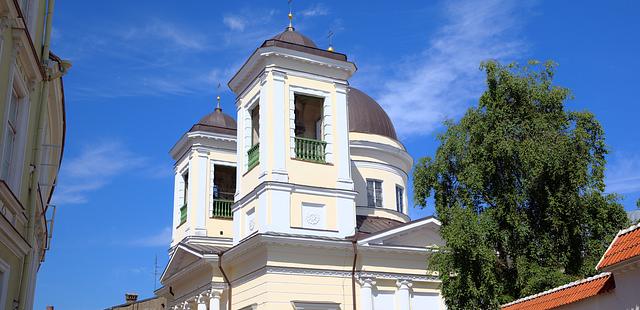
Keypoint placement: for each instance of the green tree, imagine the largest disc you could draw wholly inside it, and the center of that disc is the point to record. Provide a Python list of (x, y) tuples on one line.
[(518, 186)]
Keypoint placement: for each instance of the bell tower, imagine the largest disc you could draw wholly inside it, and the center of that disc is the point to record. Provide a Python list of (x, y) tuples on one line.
[(294, 170)]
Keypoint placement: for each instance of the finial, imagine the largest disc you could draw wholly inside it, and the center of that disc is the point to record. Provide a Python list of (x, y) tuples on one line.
[(218, 99), (290, 28), (330, 37)]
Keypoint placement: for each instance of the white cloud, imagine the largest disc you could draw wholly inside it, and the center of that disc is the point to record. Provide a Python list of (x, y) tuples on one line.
[(623, 174), (444, 79), (316, 10), (160, 239), (169, 33), (92, 169), (235, 23)]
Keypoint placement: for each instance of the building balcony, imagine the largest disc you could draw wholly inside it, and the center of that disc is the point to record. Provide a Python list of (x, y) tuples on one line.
[(254, 156), (221, 208), (310, 149)]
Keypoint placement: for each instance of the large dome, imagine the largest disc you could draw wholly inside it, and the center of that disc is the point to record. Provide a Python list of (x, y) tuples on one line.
[(216, 122), (367, 116)]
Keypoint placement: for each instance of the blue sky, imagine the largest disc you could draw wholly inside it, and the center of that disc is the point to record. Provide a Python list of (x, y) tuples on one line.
[(145, 71)]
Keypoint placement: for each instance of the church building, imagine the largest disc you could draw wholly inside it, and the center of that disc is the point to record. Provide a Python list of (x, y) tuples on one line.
[(302, 202)]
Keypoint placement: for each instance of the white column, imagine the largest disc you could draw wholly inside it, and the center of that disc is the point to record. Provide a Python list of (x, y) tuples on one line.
[(214, 299), (196, 208), (202, 301), (343, 160), (280, 127), (403, 294), (366, 293), (263, 115), (178, 198)]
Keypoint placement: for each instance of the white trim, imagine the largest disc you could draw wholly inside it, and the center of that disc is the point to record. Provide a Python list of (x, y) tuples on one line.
[(268, 56), (405, 161), (400, 229), (278, 125)]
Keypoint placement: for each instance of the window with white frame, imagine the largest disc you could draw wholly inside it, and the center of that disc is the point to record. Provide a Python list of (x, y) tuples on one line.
[(399, 198), (9, 165), (374, 193)]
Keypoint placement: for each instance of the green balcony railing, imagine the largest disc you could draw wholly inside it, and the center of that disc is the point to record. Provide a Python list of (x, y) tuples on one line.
[(254, 156), (183, 214), (310, 149), (221, 208)]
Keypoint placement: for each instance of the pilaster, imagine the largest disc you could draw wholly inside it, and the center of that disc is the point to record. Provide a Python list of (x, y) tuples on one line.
[(366, 293), (196, 207), (403, 294)]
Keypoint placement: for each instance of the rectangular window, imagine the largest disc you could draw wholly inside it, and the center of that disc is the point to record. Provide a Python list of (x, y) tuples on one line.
[(185, 197), (374, 193), (185, 178), (255, 125), (399, 198), (309, 128), (10, 139), (253, 154)]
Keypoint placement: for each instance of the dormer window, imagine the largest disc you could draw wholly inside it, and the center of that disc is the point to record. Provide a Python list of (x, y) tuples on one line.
[(374, 193), (309, 131)]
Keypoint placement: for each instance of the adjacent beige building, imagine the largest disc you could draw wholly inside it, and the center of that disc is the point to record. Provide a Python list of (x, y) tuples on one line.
[(301, 203), (32, 135)]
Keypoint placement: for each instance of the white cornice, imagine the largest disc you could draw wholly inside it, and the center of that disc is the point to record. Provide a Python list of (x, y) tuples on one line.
[(293, 188), (207, 140), (342, 70), (405, 160)]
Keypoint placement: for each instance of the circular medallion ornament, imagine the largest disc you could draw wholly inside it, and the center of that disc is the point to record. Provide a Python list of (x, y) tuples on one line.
[(313, 219)]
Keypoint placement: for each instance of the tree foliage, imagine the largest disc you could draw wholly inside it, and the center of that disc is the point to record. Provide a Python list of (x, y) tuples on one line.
[(518, 186)]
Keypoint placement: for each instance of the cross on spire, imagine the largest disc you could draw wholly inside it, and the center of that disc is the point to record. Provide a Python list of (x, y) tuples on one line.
[(330, 37), (218, 98), (290, 28)]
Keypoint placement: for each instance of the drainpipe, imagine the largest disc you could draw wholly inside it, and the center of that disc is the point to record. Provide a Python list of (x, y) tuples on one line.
[(34, 176), (226, 280), (354, 242)]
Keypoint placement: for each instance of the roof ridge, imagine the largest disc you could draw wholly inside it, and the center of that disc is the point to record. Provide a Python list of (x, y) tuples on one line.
[(629, 229), (559, 288)]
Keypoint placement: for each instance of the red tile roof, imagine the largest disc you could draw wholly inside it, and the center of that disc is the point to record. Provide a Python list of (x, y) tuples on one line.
[(626, 245), (565, 294)]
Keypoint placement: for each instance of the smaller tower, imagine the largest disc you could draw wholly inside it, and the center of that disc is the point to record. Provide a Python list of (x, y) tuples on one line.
[(205, 178)]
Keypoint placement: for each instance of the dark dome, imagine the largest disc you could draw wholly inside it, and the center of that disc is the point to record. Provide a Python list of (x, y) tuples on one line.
[(367, 116), (217, 122), (292, 36)]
